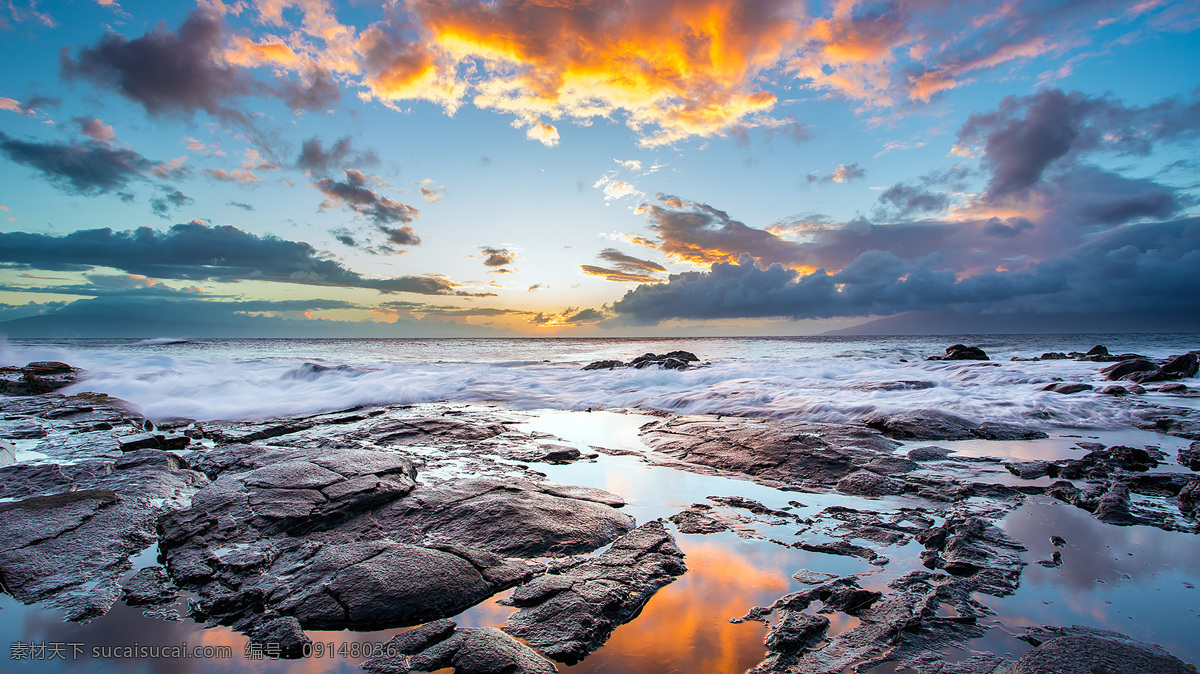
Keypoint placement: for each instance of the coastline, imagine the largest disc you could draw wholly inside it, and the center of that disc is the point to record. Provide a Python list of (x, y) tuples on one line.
[(845, 499)]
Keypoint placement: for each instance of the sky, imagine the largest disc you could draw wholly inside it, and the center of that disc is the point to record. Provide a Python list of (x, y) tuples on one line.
[(592, 167)]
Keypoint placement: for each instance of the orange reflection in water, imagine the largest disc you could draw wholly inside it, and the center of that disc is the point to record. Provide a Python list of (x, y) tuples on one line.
[(685, 626)]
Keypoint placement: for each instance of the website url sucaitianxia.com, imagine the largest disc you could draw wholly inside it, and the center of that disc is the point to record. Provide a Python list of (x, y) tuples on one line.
[(60, 650)]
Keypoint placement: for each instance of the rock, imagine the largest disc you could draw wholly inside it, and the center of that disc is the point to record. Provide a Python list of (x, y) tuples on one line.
[(1190, 457), (132, 443), (812, 577), (796, 631), (8, 453), (1067, 389), (697, 521), (36, 378), (928, 424), (468, 650), (865, 483), (150, 587), (1125, 368), (960, 352), (1114, 390), (558, 454), (1175, 388), (1100, 463), (283, 633), (928, 454), (1186, 365), (568, 616), (604, 365), (71, 549), (1097, 350), (1090, 650), (1031, 470), (781, 451), (974, 548), (842, 548)]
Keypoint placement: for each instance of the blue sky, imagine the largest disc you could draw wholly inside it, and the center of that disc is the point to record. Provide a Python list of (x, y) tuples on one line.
[(550, 167)]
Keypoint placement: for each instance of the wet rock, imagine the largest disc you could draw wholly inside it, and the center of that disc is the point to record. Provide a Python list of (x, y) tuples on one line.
[(1082, 650), (796, 631), (1031, 470), (70, 549), (1188, 499), (1099, 464), (1175, 389), (904, 385), (974, 548), (441, 644), (1098, 350), (961, 352), (132, 443), (558, 454), (283, 633), (514, 518), (1190, 457), (604, 365), (812, 577), (696, 520), (36, 378), (150, 587), (927, 424), (1054, 562), (928, 454), (865, 483), (790, 452), (1114, 390), (843, 548), (1126, 368), (1067, 389), (1186, 365), (569, 615)]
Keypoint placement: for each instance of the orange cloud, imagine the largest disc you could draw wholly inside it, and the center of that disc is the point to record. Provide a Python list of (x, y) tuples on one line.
[(672, 69)]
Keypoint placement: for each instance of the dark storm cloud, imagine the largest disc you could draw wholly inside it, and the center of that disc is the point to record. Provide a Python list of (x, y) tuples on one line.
[(1152, 266), (585, 316), (194, 251), (167, 73), (1027, 136), (80, 169), (354, 194)]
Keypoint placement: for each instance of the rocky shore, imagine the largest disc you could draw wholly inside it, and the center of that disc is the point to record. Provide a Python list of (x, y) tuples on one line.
[(383, 517)]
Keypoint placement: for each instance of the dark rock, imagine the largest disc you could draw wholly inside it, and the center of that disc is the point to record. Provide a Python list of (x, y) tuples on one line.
[(974, 548), (927, 424), (1189, 498), (1125, 368), (1190, 457), (559, 454), (1031, 470), (71, 549), (842, 548), (865, 483), (1100, 463), (283, 633), (467, 650), (928, 454), (891, 465), (781, 451), (604, 365), (568, 616), (1054, 562), (150, 587), (1098, 350), (36, 378), (961, 352), (905, 385), (812, 577), (675, 360), (1175, 388), (697, 521), (1182, 366), (1067, 389), (1053, 356), (796, 631), (1114, 390), (131, 443), (1090, 651)]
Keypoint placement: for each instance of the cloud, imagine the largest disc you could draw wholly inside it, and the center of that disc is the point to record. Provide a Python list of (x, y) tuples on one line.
[(167, 73), (401, 236), (239, 204), (616, 189), (625, 268), (430, 191), (1027, 137), (196, 252), (316, 159), (693, 232), (161, 206), (95, 129), (352, 193), (841, 174), (906, 200), (670, 69), (83, 169), (585, 316), (498, 257)]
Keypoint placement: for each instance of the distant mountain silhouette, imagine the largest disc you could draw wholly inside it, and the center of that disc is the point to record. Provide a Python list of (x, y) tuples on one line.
[(956, 323)]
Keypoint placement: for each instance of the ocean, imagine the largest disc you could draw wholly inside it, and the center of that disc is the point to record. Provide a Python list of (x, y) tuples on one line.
[(829, 379)]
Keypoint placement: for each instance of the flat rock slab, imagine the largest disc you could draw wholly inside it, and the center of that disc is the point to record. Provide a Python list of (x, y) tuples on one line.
[(781, 451), (1086, 650), (937, 425), (441, 644), (569, 615)]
